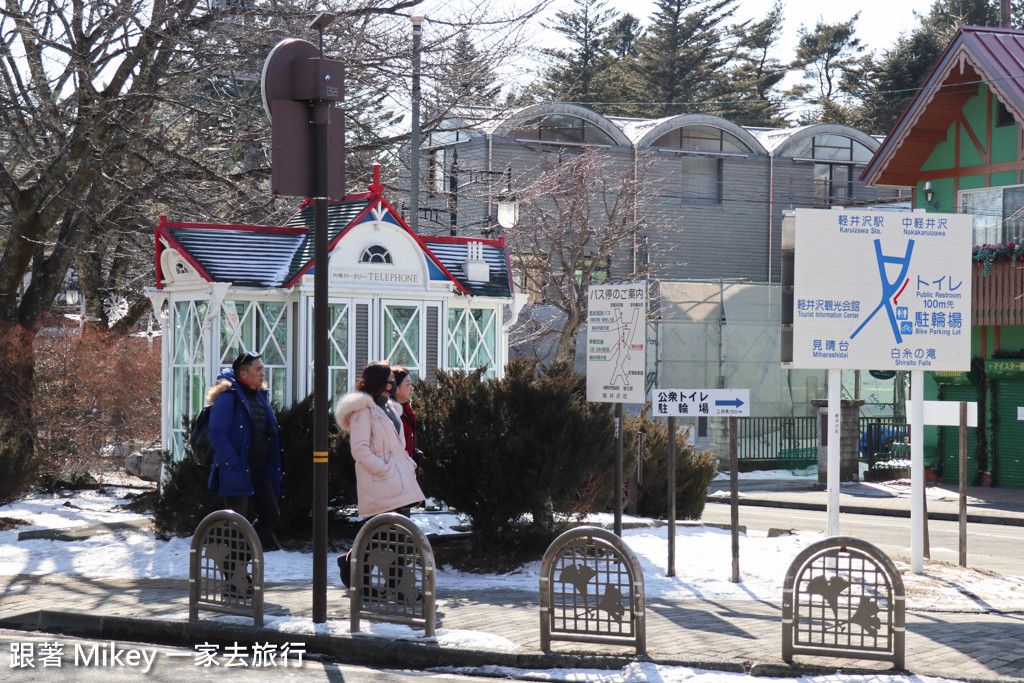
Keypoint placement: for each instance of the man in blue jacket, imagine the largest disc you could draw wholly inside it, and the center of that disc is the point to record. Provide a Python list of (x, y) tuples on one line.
[(246, 442)]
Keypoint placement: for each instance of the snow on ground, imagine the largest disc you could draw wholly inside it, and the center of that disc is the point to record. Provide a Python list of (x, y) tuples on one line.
[(637, 672), (703, 565), (703, 557), (647, 672), (810, 474)]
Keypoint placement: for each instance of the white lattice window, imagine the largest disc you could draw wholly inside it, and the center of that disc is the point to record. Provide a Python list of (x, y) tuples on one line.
[(472, 339), (188, 368), (403, 336), (260, 326)]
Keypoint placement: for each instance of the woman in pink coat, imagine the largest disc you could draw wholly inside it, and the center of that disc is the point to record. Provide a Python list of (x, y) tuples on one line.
[(385, 474)]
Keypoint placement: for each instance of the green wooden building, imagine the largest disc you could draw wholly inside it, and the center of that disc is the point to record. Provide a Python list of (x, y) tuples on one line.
[(960, 146)]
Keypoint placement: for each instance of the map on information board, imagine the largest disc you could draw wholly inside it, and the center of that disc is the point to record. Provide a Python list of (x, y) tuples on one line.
[(616, 352), (882, 290)]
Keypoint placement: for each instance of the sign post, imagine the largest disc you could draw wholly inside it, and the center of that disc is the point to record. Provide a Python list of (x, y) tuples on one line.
[(300, 88), (731, 403), (951, 414), (617, 358), (963, 483), (882, 290), (671, 497)]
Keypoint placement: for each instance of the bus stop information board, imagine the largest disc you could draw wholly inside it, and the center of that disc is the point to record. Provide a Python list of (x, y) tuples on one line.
[(616, 355), (882, 290)]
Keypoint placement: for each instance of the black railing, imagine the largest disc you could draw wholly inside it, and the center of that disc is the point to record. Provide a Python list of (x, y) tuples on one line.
[(782, 441), (775, 438), (878, 433)]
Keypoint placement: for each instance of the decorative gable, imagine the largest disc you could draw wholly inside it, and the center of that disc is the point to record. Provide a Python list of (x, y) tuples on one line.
[(369, 245), (977, 60)]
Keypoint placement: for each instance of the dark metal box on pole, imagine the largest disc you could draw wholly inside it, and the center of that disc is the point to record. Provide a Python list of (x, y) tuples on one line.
[(308, 139)]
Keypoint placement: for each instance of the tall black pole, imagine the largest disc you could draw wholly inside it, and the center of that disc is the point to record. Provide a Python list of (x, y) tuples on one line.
[(414, 134), (321, 408)]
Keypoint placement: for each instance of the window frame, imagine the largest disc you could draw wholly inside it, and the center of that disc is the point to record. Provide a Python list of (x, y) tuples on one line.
[(1000, 229)]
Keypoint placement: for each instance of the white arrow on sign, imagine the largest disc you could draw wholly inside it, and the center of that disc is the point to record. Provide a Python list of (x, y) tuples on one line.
[(701, 402)]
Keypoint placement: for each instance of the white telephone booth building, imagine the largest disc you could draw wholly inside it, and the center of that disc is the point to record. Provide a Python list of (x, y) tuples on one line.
[(422, 302)]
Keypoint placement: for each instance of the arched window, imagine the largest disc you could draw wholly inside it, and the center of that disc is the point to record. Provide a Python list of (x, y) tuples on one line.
[(375, 254), (702, 174), (832, 148), (701, 139), (833, 170), (562, 128)]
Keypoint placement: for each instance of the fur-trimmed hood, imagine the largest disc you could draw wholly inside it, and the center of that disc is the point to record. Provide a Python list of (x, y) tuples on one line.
[(217, 389), (349, 404)]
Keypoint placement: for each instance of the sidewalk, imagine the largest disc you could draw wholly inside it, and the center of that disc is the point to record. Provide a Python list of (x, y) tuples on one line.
[(984, 504), (738, 636), (732, 636)]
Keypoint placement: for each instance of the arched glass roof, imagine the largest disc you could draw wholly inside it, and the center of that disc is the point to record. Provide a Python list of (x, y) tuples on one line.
[(827, 142), (831, 148), (560, 122), (561, 128), (696, 133), (701, 139)]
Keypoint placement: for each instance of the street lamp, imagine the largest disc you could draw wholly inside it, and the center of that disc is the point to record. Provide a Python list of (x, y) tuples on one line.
[(929, 195), (508, 211)]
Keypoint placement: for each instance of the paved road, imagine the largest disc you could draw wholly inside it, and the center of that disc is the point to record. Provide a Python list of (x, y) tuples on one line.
[(995, 547)]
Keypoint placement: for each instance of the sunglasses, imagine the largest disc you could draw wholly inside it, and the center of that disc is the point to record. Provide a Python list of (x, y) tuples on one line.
[(243, 359)]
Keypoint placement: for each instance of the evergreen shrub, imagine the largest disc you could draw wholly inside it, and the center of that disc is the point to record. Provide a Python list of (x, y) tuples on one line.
[(694, 469), (183, 501), (504, 451)]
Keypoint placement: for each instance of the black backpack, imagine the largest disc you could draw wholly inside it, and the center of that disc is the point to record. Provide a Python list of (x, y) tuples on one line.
[(202, 449)]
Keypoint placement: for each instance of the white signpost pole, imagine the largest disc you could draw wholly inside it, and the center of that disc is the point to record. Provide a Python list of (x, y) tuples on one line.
[(917, 471), (835, 385)]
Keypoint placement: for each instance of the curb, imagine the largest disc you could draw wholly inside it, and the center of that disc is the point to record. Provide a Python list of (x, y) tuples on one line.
[(369, 651), (880, 512)]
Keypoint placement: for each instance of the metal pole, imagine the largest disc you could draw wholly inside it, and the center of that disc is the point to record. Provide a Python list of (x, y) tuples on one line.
[(618, 469), (963, 483), (835, 381), (631, 488), (734, 495), (917, 471), (321, 121), (414, 135), (924, 507), (671, 496)]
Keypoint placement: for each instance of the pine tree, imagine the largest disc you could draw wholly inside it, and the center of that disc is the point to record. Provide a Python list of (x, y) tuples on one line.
[(893, 82), (755, 73), (575, 74), (463, 75), (832, 59), (946, 16), (625, 32), (682, 54)]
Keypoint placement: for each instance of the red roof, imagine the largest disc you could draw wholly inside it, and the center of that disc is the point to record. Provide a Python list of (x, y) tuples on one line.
[(976, 54)]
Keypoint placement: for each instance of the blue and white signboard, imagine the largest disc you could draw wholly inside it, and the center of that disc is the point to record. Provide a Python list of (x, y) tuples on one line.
[(616, 331), (700, 402), (882, 290)]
